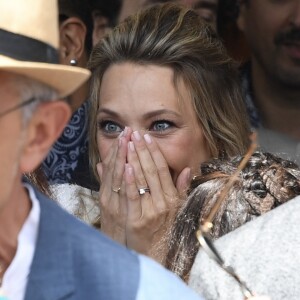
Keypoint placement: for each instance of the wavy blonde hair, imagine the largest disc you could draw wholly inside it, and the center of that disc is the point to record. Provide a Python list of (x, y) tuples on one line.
[(174, 36), (266, 182)]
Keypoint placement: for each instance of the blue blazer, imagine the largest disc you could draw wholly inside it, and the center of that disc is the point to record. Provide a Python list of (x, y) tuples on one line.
[(74, 261)]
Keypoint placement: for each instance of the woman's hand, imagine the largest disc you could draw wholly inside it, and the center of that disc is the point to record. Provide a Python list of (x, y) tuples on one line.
[(139, 221), (150, 215), (112, 196)]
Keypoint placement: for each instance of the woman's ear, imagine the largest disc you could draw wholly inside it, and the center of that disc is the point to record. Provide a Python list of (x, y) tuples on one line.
[(72, 40), (44, 128)]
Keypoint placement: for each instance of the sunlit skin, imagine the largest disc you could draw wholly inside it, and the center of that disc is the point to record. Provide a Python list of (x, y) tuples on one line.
[(162, 146)]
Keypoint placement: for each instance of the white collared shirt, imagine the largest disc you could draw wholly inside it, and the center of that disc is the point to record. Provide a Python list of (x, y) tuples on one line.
[(16, 276)]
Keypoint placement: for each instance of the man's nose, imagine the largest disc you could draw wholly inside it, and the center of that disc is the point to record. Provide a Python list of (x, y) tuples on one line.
[(295, 14)]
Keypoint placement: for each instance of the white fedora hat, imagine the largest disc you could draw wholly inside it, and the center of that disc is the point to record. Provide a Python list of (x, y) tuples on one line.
[(29, 42)]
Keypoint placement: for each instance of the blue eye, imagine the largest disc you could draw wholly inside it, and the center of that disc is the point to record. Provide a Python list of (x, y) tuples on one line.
[(109, 127), (161, 125)]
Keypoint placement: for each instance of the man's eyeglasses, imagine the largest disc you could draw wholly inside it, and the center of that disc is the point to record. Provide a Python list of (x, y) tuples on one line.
[(206, 226), (16, 107)]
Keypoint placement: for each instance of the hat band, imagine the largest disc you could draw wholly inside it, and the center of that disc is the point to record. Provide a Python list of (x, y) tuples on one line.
[(24, 48)]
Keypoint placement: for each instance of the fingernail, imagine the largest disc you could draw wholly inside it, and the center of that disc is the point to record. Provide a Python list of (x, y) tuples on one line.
[(137, 135), (121, 134), (131, 146), (188, 174), (147, 138)]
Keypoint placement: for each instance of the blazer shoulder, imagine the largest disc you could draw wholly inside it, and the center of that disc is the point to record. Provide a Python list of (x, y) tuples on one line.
[(87, 257)]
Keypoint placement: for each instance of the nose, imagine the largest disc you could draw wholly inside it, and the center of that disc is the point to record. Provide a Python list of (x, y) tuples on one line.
[(295, 14), (141, 130)]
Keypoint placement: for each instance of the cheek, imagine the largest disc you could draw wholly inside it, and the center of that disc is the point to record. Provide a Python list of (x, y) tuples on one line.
[(188, 150), (10, 155)]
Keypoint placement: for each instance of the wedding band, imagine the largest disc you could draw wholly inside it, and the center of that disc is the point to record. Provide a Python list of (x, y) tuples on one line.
[(116, 190), (143, 191)]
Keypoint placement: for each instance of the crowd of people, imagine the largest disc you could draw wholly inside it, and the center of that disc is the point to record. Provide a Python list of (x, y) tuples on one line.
[(150, 149)]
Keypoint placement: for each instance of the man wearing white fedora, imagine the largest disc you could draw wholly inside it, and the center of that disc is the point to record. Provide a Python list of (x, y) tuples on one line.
[(44, 252)]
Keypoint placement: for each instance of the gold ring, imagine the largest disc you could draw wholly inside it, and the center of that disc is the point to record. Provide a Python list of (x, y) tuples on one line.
[(116, 190)]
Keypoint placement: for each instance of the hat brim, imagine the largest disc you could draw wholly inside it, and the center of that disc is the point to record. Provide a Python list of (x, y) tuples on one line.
[(65, 79)]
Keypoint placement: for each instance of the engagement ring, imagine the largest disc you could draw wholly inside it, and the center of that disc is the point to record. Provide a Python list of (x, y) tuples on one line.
[(143, 191)]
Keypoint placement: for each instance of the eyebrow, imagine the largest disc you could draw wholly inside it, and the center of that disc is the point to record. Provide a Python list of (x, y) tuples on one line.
[(147, 115), (213, 5)]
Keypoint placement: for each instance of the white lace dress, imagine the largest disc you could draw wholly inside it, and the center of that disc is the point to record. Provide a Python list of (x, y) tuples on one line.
[(78, 201)]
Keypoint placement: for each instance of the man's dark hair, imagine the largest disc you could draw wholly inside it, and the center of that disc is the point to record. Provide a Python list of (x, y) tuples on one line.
[(228, 11)]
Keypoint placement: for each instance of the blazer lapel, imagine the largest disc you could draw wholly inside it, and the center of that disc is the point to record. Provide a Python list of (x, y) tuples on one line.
[(51, 275)]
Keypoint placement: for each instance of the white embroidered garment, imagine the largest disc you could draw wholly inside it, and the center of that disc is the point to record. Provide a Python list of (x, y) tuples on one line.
[(78, 201), (16, 276)]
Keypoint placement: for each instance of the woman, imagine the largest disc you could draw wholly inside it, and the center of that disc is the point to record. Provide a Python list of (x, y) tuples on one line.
[(266, 182), (165, 98)]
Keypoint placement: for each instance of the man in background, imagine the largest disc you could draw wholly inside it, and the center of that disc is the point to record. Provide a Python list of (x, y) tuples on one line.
[(105, 14), (272, 77)]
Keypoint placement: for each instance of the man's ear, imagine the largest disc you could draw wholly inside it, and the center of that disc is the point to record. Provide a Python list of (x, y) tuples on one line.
[(241, 19), (44, 128), (72, 38)]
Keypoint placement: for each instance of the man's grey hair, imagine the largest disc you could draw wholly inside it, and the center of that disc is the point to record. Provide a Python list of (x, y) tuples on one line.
[(29, 88)]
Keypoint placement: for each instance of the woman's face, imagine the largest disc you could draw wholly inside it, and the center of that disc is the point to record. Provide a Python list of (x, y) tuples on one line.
[(143, 97)]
